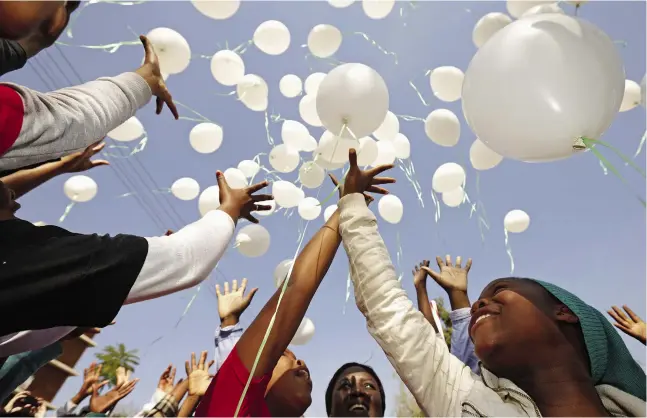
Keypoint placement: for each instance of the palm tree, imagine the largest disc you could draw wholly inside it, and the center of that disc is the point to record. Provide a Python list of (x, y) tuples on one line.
[(112, 358)]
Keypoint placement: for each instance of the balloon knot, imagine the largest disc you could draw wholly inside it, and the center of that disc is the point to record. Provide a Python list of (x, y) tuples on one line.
[(578, 144)]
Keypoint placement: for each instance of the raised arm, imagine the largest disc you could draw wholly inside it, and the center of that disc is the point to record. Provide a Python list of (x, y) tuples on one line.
[(420, 284), (422, 360)]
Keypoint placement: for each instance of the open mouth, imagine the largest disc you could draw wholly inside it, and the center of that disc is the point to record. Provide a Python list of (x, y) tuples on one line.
[(303, 373), (358, 407)]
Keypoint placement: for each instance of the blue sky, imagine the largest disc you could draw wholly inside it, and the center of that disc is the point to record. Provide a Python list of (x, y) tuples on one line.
[(586, 232)]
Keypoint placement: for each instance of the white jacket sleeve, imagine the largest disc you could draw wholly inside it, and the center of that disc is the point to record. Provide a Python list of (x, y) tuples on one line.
[(184, 259), (437, 380)]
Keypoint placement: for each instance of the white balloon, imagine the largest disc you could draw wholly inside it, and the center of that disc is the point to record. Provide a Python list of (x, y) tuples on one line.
[(128, 131), (448, 177), (642, 92), (311, 175), (290, 86), (340, 4), (446, 83), (353, 96), (324, 40), (252, 90), (304, 333), (309, 208), (326, 165), (185, 188), (631, 97), (487, 26), (227, 67), (281, 271), (249, 168), (401, 146), (253, 240), (284, 159), (310, 144), (206, 137), (517, 8), (268, 212), (272, 37), (377, 9), (367, 151), (443, 127), (390, 208), (209, 200), (533, 100), (80, 188), (389, 127), (483, 158), (286, 194), (543, 8), (217, 9), (173, 51), (235, 178), (294, 134), (385, 153), (308, 110), (454, 198), (516, 221), (329, 211), (334, 148), (312, 83)]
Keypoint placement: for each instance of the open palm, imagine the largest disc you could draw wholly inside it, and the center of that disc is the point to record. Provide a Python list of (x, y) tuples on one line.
[(198, 374), (451, 277), (630, 324), (234, 302)]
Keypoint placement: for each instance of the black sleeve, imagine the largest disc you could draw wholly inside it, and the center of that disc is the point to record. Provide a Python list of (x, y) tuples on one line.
[(12, 56), (49, 279)]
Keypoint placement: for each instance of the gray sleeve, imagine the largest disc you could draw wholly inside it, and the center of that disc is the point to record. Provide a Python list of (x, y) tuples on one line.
[(12, 56), (67, 120)]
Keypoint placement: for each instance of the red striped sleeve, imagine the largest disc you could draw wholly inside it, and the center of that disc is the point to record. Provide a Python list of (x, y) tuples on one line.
[(11, 116)]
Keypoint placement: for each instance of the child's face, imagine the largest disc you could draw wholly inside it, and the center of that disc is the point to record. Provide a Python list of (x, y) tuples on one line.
[(290, 383)]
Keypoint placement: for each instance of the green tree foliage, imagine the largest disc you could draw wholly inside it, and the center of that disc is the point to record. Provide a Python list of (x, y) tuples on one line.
[(113, 357)]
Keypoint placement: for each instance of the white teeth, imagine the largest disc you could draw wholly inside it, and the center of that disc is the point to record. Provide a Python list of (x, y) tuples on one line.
[(358, 406), (482, 317)]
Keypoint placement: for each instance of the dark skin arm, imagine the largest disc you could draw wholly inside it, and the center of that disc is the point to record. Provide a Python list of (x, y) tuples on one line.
[(420, 283)]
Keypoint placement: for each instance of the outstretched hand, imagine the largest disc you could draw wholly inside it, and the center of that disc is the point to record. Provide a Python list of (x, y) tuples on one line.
[(80, 161), (360, 181), (198, 374), (367, 197), (167, 380), (451, 277), (232, 304), (150, 71), (631, 325), (240, 203), (419, 274)]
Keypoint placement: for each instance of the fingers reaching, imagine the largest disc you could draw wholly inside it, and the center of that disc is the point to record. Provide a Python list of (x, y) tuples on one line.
[(631, 314), (256, 187), (352, 158)]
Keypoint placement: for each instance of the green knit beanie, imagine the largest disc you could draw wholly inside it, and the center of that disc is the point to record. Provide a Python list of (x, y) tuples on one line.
[(610, 360)]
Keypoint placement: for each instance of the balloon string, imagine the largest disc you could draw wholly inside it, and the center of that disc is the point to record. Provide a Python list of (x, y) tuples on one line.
[(140, 146), (188, 306), (343, 311), (68, 208), (422, 99), (242, 48), (508, 250), (408, 118), (110, 48), (270, 140), (603, 167), (436, 206), (641, 145), (204, 118), (410, 173), (375, 44), (589, 144)]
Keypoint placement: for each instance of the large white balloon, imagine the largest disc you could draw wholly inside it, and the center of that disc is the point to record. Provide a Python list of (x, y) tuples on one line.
[(209, 200), (294, 134), (377, 9), (326, 165), (206, 137), (235, 178), (286, 194), (311, 175), (290, 86), (448, 177), (304, 333), (385, 153), (340, 4), (80, 188), (308, 110), (631, 97), (128, 131), (309, 144), (329, 211), (487, 26), (227, 67), (218, 9), (446, 83), (253, 240), (483, 158), (252, 90), (454, 198), (309, 208), (390, 208), (443, 127), (367, 151), (272, 37), (334, 148), (532, 100), (543, 8), (516, 221), (284, 159), (517, 8), (173, 51), (353, 96), (185, 188), (281, 271), (389, 128), (249, 168), (312, 83), (324, 40), (401, 146)]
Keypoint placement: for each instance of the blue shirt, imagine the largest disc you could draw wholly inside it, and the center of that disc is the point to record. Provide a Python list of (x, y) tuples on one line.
[(461, 344), (225, 340)]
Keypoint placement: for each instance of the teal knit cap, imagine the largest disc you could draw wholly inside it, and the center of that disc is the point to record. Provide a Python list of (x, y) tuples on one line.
[(610, 360)]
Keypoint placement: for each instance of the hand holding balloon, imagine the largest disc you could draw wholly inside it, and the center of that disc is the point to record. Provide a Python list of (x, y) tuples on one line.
[(150, 71), (239, 203), (359, 181)]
